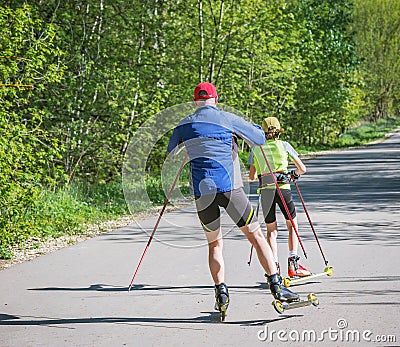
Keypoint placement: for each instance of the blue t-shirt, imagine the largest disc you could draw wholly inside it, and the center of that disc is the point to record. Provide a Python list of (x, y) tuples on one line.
[(207, 135)]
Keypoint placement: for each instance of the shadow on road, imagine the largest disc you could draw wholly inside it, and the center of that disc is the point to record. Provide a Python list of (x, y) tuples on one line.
[(147, 288), (211, 317)]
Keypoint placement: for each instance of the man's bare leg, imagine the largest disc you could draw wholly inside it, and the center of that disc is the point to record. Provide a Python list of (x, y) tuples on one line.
[(215, 257), (264, 252), (217, 269)]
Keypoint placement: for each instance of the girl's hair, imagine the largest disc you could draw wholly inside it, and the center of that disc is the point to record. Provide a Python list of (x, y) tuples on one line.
[(273, 133)]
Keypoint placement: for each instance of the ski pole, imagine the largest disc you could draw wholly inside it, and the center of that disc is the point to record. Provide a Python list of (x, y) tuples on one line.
[(283, 201), (159, 218), (309, 219), (258, 208)]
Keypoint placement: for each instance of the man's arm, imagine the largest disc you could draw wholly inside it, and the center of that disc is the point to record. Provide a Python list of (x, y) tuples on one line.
[(251, 133), (174, 141)]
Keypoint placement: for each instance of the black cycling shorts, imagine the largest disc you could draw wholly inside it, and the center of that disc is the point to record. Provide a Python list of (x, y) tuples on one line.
[(236, 204), (269, 199)]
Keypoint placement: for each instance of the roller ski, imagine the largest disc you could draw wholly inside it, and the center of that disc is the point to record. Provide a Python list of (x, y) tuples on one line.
[(287, 281), (221, 300), (282, 306)]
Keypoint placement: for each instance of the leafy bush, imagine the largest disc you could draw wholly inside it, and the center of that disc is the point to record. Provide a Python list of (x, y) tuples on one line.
[(27, 152), (367, 132)]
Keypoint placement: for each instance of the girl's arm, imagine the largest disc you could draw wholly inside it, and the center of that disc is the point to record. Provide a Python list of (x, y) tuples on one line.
[(252, 173), (300, 167)]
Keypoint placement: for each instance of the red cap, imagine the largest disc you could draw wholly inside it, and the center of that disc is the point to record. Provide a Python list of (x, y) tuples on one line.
[(205, 90)]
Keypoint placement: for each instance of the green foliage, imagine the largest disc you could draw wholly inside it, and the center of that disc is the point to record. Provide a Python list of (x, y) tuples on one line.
[(27, 153), (66, 211), (130, 60), (105, 200), (367, 132), (158, 193), (155, 189), (377, 33), (326, 98), (53, 214)]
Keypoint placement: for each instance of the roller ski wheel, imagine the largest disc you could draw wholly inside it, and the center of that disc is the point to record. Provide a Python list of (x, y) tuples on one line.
[(222, 310), (281, 307), (329, 271), (313, 298), (287, 281), (222, 313), (278, 306)]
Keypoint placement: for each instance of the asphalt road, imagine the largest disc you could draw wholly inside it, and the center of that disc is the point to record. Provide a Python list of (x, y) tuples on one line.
[(78, 296)]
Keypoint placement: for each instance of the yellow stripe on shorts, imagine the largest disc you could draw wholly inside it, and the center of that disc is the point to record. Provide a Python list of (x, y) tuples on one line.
[(205, 227), (250, 216)]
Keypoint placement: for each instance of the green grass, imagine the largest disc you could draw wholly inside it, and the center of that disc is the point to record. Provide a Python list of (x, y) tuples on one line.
[(67, 211), (71, 209), (367, 132), (356, 136)]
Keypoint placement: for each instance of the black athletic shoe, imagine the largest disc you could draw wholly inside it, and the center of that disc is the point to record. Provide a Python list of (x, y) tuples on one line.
[(221, 297), (279, 291)]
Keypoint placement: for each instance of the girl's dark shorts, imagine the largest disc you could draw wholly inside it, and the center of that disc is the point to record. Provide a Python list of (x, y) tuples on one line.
[(236, 204), (269, 199)]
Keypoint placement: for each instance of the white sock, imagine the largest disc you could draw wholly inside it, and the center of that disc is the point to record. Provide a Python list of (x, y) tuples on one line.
[(276, 259), (292, 254)]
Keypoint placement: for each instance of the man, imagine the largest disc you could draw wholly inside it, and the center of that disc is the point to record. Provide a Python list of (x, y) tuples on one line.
[(208, 135)]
